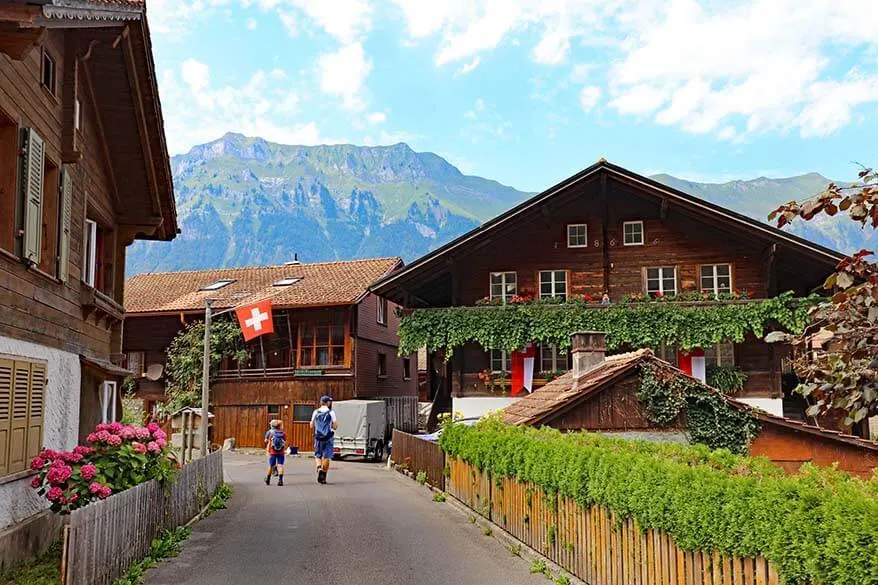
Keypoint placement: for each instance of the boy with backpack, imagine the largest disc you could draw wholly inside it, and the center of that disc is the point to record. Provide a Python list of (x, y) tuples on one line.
[(324, 423), (271, 425), (277, 442)]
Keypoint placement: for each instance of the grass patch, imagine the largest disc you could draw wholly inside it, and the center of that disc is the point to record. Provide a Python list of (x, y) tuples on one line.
[(472, 519), (43, 570), (166, 546), (487, 531), (538, 567), (562, 579), (439, 497), (421, 478), (514, 549), (220, 499)]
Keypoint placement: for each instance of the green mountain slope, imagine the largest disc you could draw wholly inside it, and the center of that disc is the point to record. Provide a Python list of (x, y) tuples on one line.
[(246, 201)]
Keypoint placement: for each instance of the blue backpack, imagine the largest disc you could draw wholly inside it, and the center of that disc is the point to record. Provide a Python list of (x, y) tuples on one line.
[(323, 426), (278, 440)]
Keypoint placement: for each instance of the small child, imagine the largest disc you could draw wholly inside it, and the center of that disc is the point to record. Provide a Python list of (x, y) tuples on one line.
[(276, 439), (271, 424)]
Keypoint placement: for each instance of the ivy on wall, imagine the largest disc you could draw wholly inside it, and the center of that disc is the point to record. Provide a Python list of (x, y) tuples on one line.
[(709, 418), (636, 325)]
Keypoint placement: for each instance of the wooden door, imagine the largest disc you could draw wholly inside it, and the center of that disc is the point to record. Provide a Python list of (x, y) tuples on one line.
[(299, 426), (246, 423)]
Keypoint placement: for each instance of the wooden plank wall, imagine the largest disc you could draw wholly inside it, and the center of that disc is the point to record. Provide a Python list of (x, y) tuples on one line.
[(419, 455), (593, 543), (402, 413), (106, 537)]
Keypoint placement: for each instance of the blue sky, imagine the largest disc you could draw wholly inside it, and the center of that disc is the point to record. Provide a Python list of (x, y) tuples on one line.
[(528, 92)]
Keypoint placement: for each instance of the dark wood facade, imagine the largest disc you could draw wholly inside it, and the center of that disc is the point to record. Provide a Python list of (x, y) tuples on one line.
[(79, 111)]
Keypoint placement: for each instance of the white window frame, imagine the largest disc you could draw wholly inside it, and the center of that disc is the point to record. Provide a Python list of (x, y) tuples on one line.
[(221, 283), (558, 359), (584, 235), (714, 277), (89, 270), (77, 114), (554, 283), (381, 318), (661, 279), (107, 397), (504, 282), (504, 357), (625, 241), (406, 365)]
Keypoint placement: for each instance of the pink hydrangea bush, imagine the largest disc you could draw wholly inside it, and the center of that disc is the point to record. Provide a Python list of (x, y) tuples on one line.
[(116, 458)]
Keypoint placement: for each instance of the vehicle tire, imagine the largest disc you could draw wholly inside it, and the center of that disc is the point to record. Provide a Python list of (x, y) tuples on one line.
[(378, 457)]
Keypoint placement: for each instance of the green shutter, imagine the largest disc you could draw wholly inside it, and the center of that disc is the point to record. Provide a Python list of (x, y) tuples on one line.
[(64, 228), (32, 186)]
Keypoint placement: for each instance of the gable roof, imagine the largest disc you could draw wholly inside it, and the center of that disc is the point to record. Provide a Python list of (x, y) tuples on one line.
[(565, 392), (322, 284), (663, 192)]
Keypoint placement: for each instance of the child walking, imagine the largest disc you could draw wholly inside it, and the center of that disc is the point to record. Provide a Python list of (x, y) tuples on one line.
[(277, 442)]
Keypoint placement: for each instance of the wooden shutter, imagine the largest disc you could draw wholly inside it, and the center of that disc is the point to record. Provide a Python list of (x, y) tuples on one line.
[(64, 227), (5, 413), (32, 185), (18, 430)]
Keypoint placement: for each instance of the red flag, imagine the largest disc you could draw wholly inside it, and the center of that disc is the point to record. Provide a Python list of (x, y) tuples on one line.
[(523, 369), (255, 319)]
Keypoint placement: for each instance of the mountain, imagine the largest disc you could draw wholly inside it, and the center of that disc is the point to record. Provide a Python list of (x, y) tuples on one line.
[(246, 201)]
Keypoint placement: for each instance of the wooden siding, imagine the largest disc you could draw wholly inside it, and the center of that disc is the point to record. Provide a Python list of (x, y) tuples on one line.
[(790, 448), (281, 391), (370, 385)]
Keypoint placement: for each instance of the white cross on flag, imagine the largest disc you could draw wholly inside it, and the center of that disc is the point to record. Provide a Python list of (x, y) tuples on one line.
[(255, 319)]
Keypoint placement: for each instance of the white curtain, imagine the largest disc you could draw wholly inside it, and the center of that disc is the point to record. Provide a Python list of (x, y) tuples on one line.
[(108, 401)]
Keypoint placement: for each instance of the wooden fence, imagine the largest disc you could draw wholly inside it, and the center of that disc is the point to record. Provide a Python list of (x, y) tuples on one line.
[(419, 455), (103, 539), (402, 413), (593, 544)]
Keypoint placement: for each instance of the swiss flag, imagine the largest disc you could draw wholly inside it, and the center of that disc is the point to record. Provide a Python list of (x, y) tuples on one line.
[(255, 319), (523, 370)]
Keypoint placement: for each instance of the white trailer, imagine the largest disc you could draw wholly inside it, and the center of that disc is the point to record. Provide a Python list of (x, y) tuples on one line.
[(362, 427)]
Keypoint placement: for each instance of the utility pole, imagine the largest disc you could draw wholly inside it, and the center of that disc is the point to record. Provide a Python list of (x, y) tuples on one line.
[(205, 381)]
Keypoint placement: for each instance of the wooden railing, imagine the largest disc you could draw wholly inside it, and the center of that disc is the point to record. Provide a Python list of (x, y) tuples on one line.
[(103, 539), (418, 455), (593, 543)]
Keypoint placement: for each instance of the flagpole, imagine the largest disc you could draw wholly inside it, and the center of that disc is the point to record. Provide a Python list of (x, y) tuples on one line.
[(205, 381)]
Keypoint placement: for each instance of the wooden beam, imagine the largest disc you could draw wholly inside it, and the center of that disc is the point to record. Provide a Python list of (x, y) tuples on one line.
[(455, 284), (663, 211), (19, 42), (605, 239), (770, 270), (105, 150)]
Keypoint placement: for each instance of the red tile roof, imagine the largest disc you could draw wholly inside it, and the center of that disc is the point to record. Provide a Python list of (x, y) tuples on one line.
[(322, 284)]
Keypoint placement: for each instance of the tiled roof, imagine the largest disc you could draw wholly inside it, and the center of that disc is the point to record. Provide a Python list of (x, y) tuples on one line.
[(321, 284), (540, 405)]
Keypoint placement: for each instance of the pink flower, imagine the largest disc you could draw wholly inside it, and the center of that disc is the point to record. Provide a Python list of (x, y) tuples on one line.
[(114, 440), (88, 471), (162, 443), (105, 492), (153, 427), (36, 483), (83, 450), (59, 473), (142, 432), (73, 498), (72, 457), (103, 436), (54, 494), (153, 447), (159, 434), (138, 447), (127, 433), (115, 427), (48, 454), (95, 488), (92, 438), (37, 463)]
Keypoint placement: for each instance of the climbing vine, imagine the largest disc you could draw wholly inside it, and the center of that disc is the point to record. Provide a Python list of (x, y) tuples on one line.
[(709, 418), (726, 379), (636, 325)]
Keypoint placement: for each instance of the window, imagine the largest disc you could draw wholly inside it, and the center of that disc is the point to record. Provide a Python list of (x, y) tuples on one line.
[(504, 285), (218, 284), (48, 72), (661, 281), (302, 412), (553, 359), (577, 235), (273, 411), (406, 369), (668, 353), (382, 311), (89, 270), (632, 233), (10, 221), (286, 281), (108, 401), (136, 362), (49, 238), (323, 340), (22, 392), (721, 354), (553, 284), (501, 361), (716, 278), (382, 365)]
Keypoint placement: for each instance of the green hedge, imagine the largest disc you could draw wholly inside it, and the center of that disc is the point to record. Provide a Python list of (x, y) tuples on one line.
[(820, 527)]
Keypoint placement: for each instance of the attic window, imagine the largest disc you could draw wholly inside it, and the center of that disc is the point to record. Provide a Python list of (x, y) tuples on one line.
[(218, 284), (287, 281)]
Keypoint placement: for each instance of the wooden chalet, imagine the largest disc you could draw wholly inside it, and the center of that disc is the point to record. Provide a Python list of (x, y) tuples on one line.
[(84, 171), (331, 337), (600, 394), (607, 230)]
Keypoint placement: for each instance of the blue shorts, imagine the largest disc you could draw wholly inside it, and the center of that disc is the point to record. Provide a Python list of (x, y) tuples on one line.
[(275, 460), (323, 449)]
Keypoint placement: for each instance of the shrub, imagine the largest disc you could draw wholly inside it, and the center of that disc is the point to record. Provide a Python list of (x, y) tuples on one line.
[(421, 478), (118, 457), (817, 527)]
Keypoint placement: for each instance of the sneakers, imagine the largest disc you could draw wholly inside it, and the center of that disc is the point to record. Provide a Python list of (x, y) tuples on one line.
[(268, 479), (321, 476), (280, 481)]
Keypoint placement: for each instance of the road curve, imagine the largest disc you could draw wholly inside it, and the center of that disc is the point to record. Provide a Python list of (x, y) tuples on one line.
[(369, 526)]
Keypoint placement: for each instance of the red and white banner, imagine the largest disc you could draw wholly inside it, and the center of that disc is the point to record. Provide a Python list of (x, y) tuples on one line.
[(255, 319), (523, 370), (693, 363)]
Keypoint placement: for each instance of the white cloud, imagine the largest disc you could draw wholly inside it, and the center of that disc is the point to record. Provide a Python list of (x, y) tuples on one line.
[(589, 97), (278, 73), (344, 73), (344, 20), (376, 118), (251, 24), (470, 67), (195, 74)]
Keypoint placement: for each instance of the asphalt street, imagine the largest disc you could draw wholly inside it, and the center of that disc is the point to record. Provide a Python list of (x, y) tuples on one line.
[(368, 526)]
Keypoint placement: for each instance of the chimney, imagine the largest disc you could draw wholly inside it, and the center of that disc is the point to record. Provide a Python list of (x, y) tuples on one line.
[(589, 351), (294, 261)]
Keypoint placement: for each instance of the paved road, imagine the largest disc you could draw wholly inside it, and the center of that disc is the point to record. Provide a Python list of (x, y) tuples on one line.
[(369, 526)]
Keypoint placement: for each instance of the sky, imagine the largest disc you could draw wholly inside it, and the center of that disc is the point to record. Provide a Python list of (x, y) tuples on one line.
[(528, 92)]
